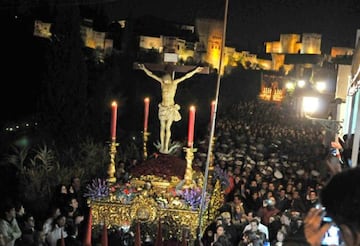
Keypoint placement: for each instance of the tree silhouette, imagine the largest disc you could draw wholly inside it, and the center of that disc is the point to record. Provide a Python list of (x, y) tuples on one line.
[(64, 103)]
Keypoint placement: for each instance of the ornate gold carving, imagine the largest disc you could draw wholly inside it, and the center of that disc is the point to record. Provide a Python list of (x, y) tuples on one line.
[(188, 177), (111, 168), (143, 209)]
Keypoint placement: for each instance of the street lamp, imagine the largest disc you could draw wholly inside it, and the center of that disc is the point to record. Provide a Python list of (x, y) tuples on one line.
[(309, 106)]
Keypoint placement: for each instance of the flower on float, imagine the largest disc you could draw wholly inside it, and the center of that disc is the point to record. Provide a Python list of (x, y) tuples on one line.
[(97, 189)]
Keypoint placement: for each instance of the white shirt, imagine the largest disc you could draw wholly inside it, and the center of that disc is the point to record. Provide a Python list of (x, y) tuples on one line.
[(10, 230), (54, 235), (263, 228)]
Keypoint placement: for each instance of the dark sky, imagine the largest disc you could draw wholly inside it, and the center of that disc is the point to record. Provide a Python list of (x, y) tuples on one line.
[(251, 22)]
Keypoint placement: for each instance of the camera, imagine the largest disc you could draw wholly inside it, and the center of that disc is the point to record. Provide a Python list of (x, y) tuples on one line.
[(333, 152), (333, 234)]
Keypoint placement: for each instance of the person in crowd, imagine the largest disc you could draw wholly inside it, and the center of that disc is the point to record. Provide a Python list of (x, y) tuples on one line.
[(254, 202), (222, 240), (220, 230), (230, 229), (39, 239), (74, 214), (238, 216), (268, 210), (263, 228), (54, 212), (76, 190), (280, 237), (20, 213), (28, 231), (340, 198), (283, 203), (9, 227), (297, 203), (57, 231), (72, 238), (250, 238), (61, 195), (312, 199)]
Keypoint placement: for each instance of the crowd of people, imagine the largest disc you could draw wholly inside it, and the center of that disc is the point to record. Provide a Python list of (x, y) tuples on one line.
[(277, 183), (62, 224)]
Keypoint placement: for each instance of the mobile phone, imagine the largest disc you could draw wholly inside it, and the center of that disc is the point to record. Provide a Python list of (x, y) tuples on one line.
[(333, 235), (333, 152)]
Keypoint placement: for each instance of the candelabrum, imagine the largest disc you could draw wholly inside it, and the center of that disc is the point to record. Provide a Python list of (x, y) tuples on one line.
[(188, 177), (145, 139), (111, 169)]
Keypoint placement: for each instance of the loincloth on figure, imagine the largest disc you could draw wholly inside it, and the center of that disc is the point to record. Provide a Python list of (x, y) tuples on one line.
[(169, 112)]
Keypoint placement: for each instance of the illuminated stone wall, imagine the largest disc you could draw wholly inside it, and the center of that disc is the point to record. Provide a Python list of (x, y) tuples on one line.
[(147, 42), (288, 43), (311, 43), (341, 51), (210, 34)]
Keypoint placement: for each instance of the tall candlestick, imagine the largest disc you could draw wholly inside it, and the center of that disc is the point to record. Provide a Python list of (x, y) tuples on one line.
[(191, 126), (146, 113), (212, 111), (113, 120)]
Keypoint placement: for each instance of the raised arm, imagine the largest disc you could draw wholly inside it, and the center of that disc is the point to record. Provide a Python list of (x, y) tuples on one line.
[(189, 74), (149, 73)]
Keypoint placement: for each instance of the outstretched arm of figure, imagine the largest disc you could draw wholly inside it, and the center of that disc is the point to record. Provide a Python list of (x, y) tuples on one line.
[(188, 75), (149, 73)]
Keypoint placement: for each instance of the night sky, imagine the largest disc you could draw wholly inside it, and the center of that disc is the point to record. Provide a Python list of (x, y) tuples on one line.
[(250, 23)]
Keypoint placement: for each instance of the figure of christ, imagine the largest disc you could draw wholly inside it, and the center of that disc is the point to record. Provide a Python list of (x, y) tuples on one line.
[(168, 109)]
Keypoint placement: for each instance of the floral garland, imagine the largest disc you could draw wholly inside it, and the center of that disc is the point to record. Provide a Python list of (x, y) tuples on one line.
[(186, 198)]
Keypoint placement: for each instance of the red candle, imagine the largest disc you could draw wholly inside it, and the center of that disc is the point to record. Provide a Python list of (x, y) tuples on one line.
[(146, 113), (113, 120), (212, 111), (191, 126)]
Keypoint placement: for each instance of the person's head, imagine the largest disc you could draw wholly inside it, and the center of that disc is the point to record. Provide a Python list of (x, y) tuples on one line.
[(60, 220), (8, 210), (76, 183), (280, 235), (29, 220), (220, 230), (73, 202), (341, 198), (226, 216), (237, 199), (254, 224), (62, 189), (249, 237), (19, 208), (313, 195)]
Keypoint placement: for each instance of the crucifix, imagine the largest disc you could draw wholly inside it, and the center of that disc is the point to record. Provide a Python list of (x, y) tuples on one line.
[(168, 109)]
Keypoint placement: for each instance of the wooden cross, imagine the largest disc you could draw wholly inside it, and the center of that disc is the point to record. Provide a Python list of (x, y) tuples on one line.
[(170, 68)]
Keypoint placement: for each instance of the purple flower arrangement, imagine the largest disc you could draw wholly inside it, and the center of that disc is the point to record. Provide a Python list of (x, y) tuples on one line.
[(192, 197), (97, 189), (222, 176)]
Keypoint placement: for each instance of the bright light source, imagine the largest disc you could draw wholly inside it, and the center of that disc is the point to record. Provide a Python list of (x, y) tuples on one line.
[(301, 83), (290, 85), (310, 104), (320, 86)]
